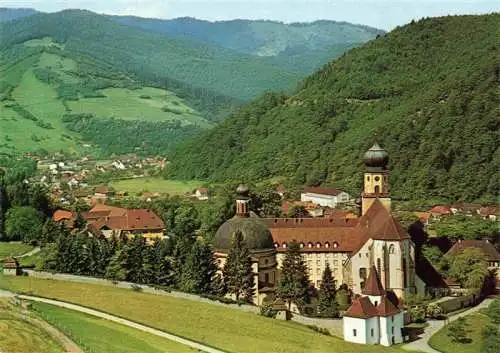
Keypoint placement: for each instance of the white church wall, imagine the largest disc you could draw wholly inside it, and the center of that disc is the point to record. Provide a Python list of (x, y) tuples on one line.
[(354, 329), (372, 332), (390, 328), (360, 260)]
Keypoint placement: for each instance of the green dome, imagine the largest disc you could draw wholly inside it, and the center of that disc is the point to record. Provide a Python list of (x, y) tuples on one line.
[(255, 232), (376, 157)]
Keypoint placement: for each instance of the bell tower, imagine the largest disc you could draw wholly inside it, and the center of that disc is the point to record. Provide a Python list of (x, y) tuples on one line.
[(375, 179)]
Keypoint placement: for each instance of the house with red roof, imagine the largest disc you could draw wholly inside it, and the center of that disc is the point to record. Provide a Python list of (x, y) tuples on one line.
[(201, 194), (439, 211), (491, 255), (110, 221), (373, 318)]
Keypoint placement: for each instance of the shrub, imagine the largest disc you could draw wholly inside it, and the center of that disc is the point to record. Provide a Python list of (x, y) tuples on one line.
[(494, 311), (491, 339), (458, 330), (434, 311), (267, 310), (417, 314), (458, 303), (145, 96), (321, 330), (136, 288)]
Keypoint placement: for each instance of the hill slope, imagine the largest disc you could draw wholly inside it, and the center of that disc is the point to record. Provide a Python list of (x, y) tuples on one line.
[(152, 56), (428, 92)]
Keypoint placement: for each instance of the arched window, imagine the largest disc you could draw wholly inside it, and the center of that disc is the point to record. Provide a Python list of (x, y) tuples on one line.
[(379, 266), (327, 245), (284, 245), (276, 245), (318, 245), (335, 245), (377, 189), (301, 245), (391, 249)]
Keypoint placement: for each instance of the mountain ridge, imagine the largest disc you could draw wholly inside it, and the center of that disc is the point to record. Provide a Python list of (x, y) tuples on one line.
[(427, 91)]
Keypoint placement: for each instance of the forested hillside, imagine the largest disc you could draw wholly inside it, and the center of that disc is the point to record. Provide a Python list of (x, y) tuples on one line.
[(428, 92), (7, 14)]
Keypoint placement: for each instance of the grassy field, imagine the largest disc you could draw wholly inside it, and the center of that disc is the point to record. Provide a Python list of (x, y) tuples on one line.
[(98, 335), (39, 99), (13, 249), (442, 341), (228, 329), (164, 186), (19, 336), (146, 103)]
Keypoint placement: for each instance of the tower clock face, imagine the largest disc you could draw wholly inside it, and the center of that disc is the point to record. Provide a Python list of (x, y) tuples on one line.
[(377, 178)]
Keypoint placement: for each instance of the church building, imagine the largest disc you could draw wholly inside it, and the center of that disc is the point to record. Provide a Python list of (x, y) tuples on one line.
[(350, 246)]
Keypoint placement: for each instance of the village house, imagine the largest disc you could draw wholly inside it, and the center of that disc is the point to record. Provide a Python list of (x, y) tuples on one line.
[(491, 255), (351, 246), (322, 196), (11, 267), (489, 212), (465, 209), (201, 194), (439, 211)]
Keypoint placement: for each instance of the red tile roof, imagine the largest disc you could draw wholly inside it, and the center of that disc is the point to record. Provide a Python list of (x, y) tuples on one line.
[(143, 219), (323, 191), (334, 232), (373, 285), (440, 210), (103, 216), (489, 210), (386, 307), (485, 246), (361, 308), (60, 215)]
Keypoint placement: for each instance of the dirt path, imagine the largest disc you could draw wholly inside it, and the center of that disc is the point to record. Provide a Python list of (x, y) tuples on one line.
[(125, 322), (422, 344)]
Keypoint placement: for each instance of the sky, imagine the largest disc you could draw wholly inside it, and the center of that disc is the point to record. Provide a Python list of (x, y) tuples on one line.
[(384, 14)]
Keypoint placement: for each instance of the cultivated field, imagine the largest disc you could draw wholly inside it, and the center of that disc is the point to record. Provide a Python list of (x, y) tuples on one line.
[(227, 329), (477, 322), (19, 336), (98, 335), (164, 186)]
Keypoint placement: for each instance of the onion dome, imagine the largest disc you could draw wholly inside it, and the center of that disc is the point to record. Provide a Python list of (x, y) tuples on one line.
[(242, 190), (376, 157), (255, 233)]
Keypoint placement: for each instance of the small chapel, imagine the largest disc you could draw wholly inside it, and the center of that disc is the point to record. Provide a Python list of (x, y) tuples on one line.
[(374, 317)]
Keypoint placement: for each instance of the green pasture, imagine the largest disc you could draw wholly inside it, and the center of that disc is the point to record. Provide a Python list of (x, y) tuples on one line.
[(93, 334), (152, 184), (225, 328), (147, 103)]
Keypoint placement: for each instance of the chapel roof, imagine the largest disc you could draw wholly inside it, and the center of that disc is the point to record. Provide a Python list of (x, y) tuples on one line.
[(361, 308), (386, 307), (373, 285)]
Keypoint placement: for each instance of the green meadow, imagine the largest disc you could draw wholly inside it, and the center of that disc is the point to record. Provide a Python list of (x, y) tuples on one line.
[(93, 334), (153, 184), (225, 328)]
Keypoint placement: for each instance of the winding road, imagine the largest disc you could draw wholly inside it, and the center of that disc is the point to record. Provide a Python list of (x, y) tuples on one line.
[(116, 319)]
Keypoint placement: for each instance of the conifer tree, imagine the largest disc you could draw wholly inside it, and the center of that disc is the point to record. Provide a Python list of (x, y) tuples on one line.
[(294, 283), (327, 305), (238, 274), (198, 269)]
